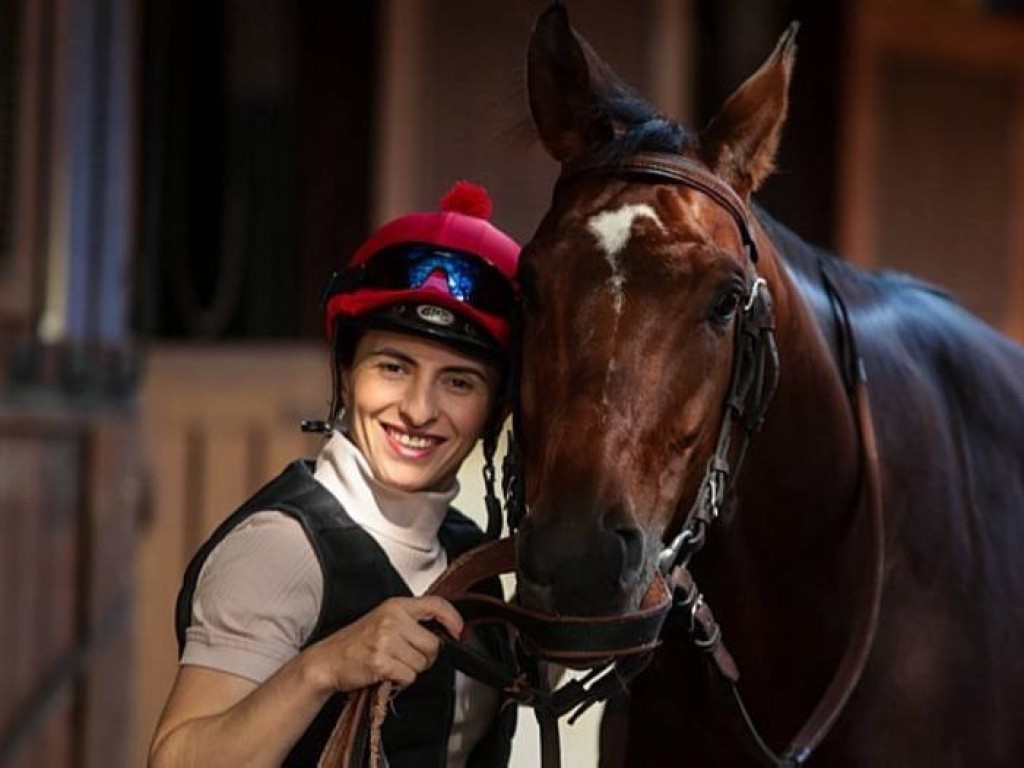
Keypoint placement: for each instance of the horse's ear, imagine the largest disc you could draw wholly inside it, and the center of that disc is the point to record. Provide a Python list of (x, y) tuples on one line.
[(566, 80), (740, 143)]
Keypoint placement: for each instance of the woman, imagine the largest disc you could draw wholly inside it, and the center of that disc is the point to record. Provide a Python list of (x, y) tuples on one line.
[(312, 588)]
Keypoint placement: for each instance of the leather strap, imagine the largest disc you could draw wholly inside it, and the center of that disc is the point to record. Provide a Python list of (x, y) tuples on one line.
[(851, 666), (677, 169), (706, 633), (617, 647)]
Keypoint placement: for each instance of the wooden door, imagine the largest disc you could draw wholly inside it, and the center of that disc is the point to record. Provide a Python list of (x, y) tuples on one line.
[(933, 152), (70, 492), (219, 421)]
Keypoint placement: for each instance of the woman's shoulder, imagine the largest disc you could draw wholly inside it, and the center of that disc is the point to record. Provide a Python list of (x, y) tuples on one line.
[(265, 545), (257, 598)]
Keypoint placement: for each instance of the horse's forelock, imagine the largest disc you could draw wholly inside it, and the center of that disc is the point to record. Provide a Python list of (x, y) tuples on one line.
[(640, 127)]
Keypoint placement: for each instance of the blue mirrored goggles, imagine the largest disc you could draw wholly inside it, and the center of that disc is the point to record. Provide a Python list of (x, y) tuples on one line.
[(469, 278)]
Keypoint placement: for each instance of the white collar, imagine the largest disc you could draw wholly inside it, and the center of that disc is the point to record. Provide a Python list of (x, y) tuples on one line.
[(411, 518)]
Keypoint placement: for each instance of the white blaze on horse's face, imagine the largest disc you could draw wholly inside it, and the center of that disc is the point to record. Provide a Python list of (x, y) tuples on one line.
[(613, 230)]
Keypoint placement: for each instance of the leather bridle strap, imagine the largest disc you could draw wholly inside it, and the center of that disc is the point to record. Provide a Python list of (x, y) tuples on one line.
[(618, 647), (675, 169), (707, 634)]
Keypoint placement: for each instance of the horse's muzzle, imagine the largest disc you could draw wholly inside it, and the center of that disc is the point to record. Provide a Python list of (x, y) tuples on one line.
[(569, 570)]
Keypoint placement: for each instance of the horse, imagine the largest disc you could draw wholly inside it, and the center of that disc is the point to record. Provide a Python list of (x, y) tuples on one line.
[(635, 283)]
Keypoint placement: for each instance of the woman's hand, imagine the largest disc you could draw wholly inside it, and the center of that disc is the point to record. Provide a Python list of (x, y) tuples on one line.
[(388, 643), (215, 713)]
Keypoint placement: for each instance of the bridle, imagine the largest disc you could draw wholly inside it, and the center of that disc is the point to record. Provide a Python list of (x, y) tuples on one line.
[(755, 368), (752, 385), (619, 647)]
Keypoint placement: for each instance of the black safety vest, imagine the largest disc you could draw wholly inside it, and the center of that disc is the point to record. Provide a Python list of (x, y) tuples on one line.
[(357, 577)]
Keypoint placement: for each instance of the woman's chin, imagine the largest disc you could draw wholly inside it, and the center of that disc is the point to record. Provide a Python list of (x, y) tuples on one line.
[(412, 481)]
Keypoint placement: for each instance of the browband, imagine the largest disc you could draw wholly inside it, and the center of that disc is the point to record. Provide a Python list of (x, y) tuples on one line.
[(676, 169)]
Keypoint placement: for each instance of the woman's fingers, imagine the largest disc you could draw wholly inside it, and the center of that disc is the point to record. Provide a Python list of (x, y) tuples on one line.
[(402, 675), (420, 638), (390, 642), (439, 609)]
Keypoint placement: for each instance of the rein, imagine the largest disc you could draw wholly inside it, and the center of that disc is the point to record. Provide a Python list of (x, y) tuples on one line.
[(617, 648)]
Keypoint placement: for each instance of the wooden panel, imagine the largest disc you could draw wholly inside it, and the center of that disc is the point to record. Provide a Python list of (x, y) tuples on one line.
[(426, 142), (39, 487), (19, 265), (67, 551), (286, 445), (225, 478), (219, 422), (55, 745), (945, 207), (933, 154), (158, 578), (113, 499)]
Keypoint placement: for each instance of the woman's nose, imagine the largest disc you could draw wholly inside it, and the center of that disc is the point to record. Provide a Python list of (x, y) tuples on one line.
[(419, 405)]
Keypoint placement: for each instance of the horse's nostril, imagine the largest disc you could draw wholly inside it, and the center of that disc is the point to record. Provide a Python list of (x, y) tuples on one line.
[(632, 540), (574, 569), (534, 563)]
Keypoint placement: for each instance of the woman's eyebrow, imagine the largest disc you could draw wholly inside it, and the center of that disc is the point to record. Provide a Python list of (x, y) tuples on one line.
[(389, 352), (464, 369), (408, 359)]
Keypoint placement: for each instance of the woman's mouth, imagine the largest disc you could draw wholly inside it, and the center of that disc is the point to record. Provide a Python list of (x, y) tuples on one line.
[(411, 445)]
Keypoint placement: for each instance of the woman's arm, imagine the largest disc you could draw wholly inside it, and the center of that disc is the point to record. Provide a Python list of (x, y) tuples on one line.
[(214, 716)]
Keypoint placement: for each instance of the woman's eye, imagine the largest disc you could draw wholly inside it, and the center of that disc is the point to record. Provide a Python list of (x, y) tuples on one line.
[(461, 383), (390, 368)]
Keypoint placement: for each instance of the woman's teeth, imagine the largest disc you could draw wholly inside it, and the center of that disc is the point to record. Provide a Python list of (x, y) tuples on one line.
[(417, 442)]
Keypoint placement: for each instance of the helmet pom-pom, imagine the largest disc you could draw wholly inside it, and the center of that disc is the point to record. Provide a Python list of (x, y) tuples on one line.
[(468, 198)]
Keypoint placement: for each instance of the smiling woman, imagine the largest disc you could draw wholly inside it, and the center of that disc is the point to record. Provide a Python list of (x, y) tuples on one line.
[(314, 587), (416, 408)]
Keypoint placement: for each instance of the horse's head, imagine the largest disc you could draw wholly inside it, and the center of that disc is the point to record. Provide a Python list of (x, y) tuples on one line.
[(632, 286)]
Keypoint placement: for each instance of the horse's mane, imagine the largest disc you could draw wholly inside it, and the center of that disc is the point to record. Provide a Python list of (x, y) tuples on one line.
[(639, 127), (897, 311), (805, 258)]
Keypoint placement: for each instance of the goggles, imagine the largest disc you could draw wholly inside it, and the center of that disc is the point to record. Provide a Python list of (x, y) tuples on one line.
[(405, 267)]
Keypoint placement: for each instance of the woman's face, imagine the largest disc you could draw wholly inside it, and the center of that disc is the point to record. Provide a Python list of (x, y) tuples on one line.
[(416, 408)]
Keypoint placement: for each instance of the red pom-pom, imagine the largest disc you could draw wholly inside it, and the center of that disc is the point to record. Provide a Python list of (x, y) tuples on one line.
[(470, 199)]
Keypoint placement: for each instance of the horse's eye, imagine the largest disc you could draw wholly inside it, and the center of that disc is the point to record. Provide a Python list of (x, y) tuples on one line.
[(725, 307)]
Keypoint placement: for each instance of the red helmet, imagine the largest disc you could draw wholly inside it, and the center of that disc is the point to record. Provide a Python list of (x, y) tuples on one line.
[(448, 274)]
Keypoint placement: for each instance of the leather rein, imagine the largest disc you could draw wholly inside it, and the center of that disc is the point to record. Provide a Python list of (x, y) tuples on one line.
[(617, 648)]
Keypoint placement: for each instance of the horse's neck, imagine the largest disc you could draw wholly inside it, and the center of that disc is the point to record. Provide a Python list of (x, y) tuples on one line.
[(800, 480)]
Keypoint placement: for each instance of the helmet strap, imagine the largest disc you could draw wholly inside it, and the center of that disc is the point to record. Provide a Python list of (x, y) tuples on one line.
[(326, 427)]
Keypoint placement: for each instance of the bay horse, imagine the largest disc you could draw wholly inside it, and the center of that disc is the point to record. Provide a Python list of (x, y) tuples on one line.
[(650, 255)]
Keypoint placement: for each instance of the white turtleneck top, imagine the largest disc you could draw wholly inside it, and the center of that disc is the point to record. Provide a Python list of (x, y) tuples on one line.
[(259, 593)]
